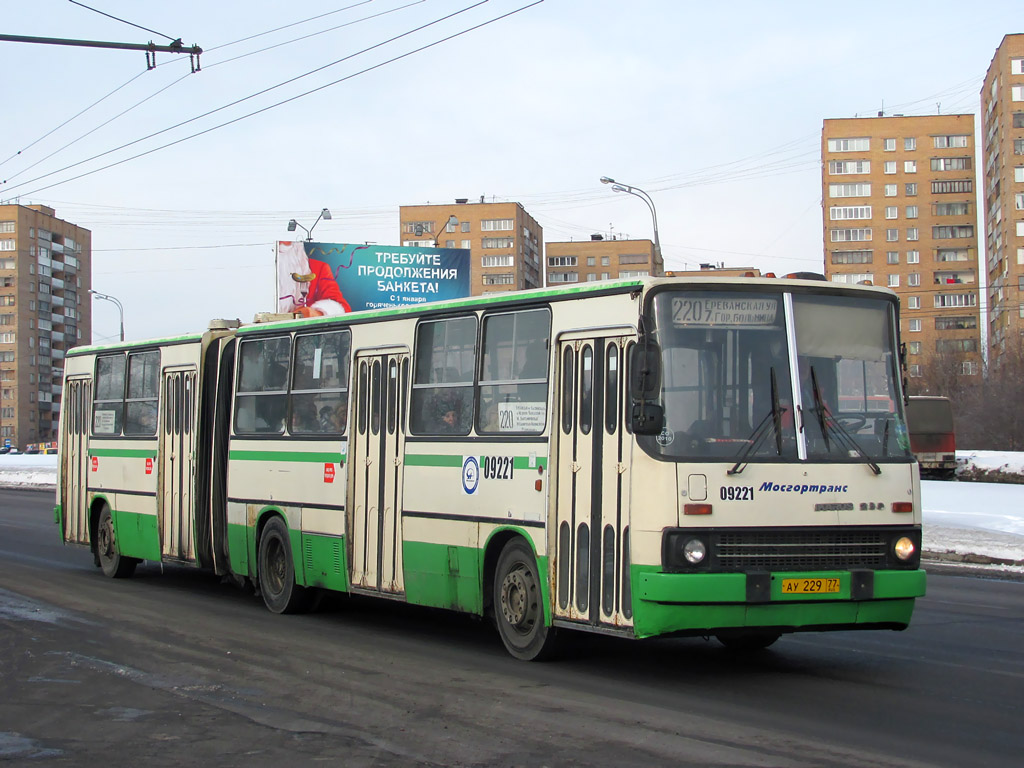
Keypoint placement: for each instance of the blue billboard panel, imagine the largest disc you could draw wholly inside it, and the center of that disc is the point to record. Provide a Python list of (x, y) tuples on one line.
[(333, 278)]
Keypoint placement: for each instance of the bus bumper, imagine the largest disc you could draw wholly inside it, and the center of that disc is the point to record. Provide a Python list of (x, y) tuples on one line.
[(702, 603)]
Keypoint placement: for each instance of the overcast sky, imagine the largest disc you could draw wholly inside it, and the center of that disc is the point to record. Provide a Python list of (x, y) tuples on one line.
[(715, 109)]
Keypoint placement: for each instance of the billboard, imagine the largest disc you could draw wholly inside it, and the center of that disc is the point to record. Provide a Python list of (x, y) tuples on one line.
[(332, 278)]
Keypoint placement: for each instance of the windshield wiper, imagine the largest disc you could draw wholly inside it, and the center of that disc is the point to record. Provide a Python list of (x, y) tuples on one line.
[(843, 436), (772, 419)]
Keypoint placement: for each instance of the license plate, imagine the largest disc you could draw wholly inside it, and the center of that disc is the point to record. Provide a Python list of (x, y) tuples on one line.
[(809, 586)]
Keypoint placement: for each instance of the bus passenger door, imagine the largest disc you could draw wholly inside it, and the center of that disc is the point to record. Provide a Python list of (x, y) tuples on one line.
[(76, 419), (376, 452), (177, 464), (592, 561)]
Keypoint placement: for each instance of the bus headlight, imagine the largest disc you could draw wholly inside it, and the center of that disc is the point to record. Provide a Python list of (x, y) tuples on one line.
[(904, 548), (694, 551)]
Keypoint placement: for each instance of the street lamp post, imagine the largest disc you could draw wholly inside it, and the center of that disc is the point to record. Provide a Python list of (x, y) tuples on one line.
[(120, 308), (292, 224), (452, 221), (637, 192)]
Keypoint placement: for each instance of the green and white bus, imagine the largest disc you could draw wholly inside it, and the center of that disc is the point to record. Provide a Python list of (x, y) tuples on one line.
[(699, 456)]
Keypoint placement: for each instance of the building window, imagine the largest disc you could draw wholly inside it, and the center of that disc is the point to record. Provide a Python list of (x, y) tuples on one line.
[(968, 368), (6, 226), (1017, 93), (913, 233), (914, 326), (606, 261), (913, 302), (956, 345), (1018, 174), (562, 261), (496, 225), (497, 261), (849, 145), (889, 145), (1017, 66), (892, 257), (909, 144), (952, 254), (418, 228), (910, 189), (952, 209), (914, 279), (502, 279), (591, 278), (891, 211), (8, 244), (465, 226), (913, 257), (951, 163), (851, 257), (911, 211), (633, 258), (963, 323), (844, 235), (890, 190), (914, 371), (952, 187), (1018, 201), (497, 242), (854, 278), (465, 244), (910, 166), (956, 300), (892, 235), (842, 167), (836, 213), (894, 281), (629, 273), (889, 167), (563, 277), (952, 232), (853, 189), (949, 142), (914, 347)]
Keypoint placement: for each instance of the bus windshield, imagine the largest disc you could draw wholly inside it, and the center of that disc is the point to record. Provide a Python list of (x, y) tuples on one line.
[(728, 378)]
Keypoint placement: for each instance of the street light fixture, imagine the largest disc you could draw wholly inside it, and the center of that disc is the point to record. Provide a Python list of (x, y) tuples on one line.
[(292, 224), (120, 308), (637, 192), (452, 221)]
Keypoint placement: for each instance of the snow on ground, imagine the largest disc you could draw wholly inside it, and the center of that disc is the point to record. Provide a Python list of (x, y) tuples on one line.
[(972, 523)]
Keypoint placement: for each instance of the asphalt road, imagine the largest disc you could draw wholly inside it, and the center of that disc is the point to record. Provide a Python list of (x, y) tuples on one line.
[(173, 667)]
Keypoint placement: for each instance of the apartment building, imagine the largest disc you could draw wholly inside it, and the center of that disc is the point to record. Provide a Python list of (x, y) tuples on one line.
[(585, 261), (899, 210), (1002, 125), (45, 267), (505, 241)]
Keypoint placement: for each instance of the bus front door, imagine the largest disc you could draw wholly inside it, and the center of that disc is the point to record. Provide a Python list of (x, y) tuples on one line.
[(376, 455), (592, 561), (177, 463), (74, 471)]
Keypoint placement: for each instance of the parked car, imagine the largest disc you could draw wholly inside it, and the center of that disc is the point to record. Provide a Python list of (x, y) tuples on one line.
[(5, 449), (32, 449)]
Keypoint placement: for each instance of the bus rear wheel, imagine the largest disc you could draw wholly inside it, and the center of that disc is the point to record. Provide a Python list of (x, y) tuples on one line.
[(277, 572), (518, 604), (114, 564)]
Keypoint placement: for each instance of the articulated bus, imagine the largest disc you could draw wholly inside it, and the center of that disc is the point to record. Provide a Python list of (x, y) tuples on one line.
[(641, 458)]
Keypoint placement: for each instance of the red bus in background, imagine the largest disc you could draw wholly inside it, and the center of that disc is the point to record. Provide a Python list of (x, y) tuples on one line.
[(932, 437)]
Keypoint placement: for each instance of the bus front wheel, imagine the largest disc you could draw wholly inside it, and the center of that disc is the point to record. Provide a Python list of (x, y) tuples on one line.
[(114, 564), (518, 604), (277, 571)]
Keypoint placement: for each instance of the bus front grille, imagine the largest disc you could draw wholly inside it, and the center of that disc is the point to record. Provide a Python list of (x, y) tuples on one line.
[(796, 550)]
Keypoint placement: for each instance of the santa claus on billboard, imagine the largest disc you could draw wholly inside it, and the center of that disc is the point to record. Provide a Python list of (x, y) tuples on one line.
[(306, 286)]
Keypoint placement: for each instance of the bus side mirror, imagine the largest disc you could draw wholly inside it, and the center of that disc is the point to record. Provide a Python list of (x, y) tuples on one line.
[(645, 371), (647, 418)]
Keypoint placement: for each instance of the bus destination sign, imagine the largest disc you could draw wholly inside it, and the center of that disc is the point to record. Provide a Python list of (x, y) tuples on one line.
[(716, 311)]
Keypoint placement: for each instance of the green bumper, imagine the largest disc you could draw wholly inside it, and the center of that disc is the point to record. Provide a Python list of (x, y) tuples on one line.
[(704, 602)]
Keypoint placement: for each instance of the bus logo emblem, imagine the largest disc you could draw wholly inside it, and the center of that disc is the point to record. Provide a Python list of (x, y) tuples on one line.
[(470, 474)]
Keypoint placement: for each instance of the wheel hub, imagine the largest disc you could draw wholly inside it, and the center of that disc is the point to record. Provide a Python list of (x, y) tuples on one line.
[(514, 599)]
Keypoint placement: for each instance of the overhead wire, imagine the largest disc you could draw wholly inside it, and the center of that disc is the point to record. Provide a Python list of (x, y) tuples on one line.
[(175, 82), (123, 21), (261, 92), (284, 101)]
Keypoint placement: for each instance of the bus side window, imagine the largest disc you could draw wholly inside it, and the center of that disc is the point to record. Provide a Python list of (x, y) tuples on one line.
[(108, 402), (261, 397), (514, 372), (442, 388), (143, 389), (319, 391)]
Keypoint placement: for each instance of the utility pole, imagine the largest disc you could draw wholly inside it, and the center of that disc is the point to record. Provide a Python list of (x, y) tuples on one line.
[(150, 48)]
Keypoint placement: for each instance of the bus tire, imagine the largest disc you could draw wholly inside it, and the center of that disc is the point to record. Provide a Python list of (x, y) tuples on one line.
[(518, 604), (114, 564), (276, 571), (746, 642)]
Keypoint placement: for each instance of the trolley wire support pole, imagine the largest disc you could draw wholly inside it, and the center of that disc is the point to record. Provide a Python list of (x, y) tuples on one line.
[(150, 48)]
